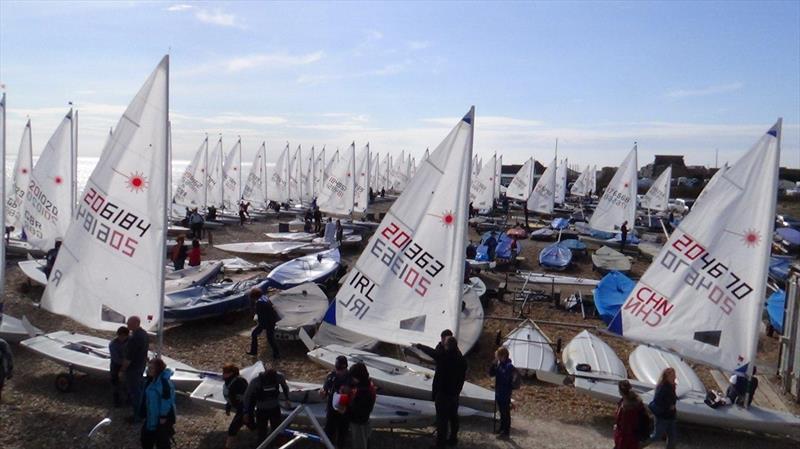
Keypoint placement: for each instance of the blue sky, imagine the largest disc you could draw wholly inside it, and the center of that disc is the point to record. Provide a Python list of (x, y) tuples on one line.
[(679, 78)]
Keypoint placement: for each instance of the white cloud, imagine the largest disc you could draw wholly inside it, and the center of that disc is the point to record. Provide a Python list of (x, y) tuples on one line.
[(217, 17), (418, 45), (236, 64), (180, 7), (710, 90), (386, 70)]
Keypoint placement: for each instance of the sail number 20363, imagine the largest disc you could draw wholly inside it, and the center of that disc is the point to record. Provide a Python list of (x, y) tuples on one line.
[(111, 224), (406, 259)]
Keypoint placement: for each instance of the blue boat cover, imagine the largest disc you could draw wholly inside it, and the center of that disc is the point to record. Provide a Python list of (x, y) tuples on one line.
[(779, 267), (574, 245), (594, 233), (507, 248), (632, 239), (559, 223), (610, 293), (317, 267), (791, 235), (555, 256), (775, 306)]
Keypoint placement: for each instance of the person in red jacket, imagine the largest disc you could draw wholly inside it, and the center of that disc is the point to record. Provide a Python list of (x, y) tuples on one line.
[(194, 254), (632, 422)]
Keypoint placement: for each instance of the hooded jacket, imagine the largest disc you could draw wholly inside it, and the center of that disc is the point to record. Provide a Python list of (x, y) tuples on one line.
[(159, 400)]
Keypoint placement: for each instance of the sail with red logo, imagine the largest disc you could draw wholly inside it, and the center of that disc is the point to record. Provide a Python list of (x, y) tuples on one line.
[(407, 285), (15, 197), (618, 203), (703, 295), (338, 191), (111, 264)]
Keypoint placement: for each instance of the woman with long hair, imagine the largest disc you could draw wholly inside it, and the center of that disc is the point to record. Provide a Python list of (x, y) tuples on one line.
[(663, 408), (632, 423)]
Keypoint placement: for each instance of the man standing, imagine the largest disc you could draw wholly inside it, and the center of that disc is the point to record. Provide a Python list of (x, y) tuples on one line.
[(196, 224), (623, 230), (448, 380), (261, 401), (51, 258), (134, 364), (6, 365), (336, 423), (317, 220), (267, 318)]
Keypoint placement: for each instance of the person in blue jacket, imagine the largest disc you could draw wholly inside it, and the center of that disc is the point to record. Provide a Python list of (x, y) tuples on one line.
[(663, 408), (158, 407), (503, 372)]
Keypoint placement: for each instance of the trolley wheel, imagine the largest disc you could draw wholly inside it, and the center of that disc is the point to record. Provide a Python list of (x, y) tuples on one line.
[(64, 382)]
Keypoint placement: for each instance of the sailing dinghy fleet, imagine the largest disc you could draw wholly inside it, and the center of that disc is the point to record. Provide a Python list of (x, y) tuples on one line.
[(408, 283)]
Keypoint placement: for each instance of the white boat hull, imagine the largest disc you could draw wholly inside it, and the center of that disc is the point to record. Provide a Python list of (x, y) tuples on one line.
[(647, 364), (530, 350), (261, 248), (587, 350)]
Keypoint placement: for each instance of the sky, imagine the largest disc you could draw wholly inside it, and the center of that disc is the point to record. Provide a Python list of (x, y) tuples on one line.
[(686, 78)]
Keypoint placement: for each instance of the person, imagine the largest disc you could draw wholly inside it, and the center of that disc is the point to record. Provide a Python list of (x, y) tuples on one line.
[(242, 213), (506, 209), (211, 213), (623, 230), (196, 224), (135, 363), (631, 421), (195, 254), (339, 232), (663, 408), (525, 211), (233, 391), (752, 386), (471, 210), (317, 220), (336, 422), (371, 195), (261, 402), (467, 271), (6, 365), (740, 389), (9, 230), (491, 245), (51, 258), (179, 253), (308, 218), (472, 251), (360, 405), (116, 352), (158, 407), (267, 318), (503, 372), (448, 380), (383, 192)]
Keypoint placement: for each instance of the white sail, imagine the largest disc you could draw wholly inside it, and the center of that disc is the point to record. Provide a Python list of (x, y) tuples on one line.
[(498, 174), (542, 199), (295, 165), (522, 183), (618, 203), (657, 196), (374, 166), (278, 187), (232, 178), (328, 167), (592, 183), (110, 265), (307, 178), (319, 172), (481, 191), (337, 196), (703, 295), (48, 202), (714, 179), (561, 182), (191, 191), (406, 287), (255, 189), (361, 201), (21, 176), (214, 176), (581, 185)]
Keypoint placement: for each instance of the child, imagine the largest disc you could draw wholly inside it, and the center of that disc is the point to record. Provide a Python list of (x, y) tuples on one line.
[(116, 350), (503, 372), (194, 253)]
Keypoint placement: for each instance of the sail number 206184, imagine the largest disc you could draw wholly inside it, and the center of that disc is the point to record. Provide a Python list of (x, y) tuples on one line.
[(111, 224)]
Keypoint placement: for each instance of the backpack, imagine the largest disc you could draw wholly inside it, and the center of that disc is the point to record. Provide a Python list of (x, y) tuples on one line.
[(516, 379)]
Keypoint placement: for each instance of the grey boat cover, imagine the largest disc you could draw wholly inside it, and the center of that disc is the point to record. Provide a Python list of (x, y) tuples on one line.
[(300, 306)]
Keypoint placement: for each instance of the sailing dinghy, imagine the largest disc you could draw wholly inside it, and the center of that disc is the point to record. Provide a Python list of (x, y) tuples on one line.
[(587, 355), (261, 248), (300, 307), (606, 259), (647, 364), (317, 268), (530, 349), (702, 297), (111, 264)]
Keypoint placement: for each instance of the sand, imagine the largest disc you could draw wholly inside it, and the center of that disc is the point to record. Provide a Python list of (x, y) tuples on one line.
[(34, 415)]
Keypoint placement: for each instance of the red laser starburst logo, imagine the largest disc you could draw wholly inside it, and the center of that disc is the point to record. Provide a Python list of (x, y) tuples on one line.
[(136, 181), (24, 171), (58, 179), (751, 238), (447, 218)]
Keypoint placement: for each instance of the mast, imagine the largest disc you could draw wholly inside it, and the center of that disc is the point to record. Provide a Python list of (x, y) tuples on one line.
[(3, 196), (167, 157), (73, 166), (239, 186), (264, 182), (205, 171)]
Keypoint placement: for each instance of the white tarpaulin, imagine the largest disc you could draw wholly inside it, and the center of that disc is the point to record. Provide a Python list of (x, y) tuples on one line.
[(618, 203), (406, 287), (110, 266), (703, 295)]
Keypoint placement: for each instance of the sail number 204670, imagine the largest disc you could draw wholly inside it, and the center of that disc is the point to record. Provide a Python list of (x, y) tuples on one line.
[(406, 259)]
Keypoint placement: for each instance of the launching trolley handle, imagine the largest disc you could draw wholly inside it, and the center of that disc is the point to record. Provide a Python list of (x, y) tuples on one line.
[(298, 436)]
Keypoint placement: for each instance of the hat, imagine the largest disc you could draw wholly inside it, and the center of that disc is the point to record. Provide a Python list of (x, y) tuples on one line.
[(341, 362)]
